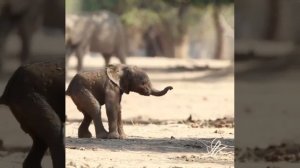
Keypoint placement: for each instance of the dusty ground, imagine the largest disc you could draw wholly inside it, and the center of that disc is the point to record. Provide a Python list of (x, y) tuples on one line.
[(156, 135), (267, 99)]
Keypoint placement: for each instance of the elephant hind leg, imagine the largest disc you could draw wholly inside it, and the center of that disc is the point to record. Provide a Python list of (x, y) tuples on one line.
[(57, 150), (35, 156), (41, 121), (83, 131), (89, 106)]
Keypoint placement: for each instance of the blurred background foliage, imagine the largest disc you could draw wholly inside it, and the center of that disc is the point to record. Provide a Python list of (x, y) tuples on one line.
[(180, 28)]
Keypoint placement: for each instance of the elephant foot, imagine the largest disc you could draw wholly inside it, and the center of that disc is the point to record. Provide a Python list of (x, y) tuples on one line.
[(123, 136), (113, 135), (84, 134), (101, 135)]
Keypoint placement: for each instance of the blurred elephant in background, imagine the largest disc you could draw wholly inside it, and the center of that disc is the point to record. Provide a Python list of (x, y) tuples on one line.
[(98, 32), (26, 17)]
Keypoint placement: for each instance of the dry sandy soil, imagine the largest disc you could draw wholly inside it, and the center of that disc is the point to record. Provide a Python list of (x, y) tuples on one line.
[(159, 134)]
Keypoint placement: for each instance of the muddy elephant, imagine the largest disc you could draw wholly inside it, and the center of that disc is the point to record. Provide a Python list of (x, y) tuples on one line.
[(26, 17), (92, 89), (99, 32), (36, 96)]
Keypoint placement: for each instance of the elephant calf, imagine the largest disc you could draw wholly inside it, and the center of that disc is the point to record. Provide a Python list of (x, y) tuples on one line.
[(90, 90), (36, 96)]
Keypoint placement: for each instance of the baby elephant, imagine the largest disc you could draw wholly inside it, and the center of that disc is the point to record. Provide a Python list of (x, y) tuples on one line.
[(90, 90), (36, 96)]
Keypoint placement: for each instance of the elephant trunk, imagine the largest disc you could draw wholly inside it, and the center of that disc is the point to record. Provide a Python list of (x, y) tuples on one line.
[(155, 92)]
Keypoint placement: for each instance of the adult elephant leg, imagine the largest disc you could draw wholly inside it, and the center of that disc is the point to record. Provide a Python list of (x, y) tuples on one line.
[(106, 59), (79, 62), (5, 28), (83, 131), (122, 57), (31, 21), (68, 55), (79, 54), (26, 38), (88, 105), (2, 43), (35, 156)]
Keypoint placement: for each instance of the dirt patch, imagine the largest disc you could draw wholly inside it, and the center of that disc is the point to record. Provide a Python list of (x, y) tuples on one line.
[(273, 153), (217, 123)]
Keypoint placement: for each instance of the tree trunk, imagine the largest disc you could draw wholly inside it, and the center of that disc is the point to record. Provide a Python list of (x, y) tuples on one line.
[(152, 44), (273, 20), (181, 48), (159, 40)]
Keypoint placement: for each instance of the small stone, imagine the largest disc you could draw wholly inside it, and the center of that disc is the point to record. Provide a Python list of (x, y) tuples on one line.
[(194, 126)]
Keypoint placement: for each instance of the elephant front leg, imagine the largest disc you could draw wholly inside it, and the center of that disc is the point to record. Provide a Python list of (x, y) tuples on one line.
[(112, 109), (120, 126)]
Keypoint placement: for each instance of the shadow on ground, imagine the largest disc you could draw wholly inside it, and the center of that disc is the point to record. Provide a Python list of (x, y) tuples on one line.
[(154, 145)]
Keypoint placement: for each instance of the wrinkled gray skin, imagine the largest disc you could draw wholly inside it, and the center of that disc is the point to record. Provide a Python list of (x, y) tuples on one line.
[(26, 17), (99, 32), (36, 96), (90, 90)]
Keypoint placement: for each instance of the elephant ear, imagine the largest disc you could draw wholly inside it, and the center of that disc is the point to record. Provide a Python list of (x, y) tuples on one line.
[(119, 76)]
